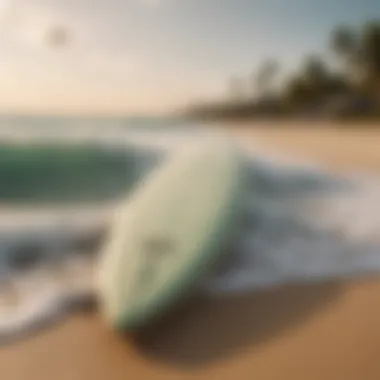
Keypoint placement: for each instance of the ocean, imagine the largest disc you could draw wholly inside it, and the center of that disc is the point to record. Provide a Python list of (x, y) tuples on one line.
[(62, 178)]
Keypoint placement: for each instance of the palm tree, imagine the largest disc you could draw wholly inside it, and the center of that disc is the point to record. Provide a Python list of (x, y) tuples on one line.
[(265, 76), (360, 52), (315, 70), (345, 43), (370, 55), (314, 83), (236, 89)]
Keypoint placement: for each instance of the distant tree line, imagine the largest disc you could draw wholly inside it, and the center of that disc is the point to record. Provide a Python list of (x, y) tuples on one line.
[(347, 84)]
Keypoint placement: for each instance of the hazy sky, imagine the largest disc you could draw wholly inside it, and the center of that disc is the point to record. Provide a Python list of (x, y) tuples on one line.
[(142, 56)]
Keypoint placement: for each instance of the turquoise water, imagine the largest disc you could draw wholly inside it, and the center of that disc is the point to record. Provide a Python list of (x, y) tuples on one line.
[(54, 160), (46, 173)]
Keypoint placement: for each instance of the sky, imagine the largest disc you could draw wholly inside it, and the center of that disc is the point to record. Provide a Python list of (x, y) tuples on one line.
[(151, 56)]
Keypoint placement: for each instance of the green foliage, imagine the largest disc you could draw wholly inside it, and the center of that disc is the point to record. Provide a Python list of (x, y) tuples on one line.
[(344, 41), (359, 49)]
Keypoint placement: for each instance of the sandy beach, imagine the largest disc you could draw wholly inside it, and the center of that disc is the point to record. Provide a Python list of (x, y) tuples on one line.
[(322, 331)]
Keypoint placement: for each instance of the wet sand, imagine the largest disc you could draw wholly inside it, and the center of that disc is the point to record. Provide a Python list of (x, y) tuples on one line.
[(320, 331)]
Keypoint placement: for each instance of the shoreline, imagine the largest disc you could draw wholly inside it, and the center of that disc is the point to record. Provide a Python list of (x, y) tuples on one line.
[(293, 332)]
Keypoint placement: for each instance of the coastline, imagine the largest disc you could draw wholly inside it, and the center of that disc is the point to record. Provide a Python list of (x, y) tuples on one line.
[(327, 330)]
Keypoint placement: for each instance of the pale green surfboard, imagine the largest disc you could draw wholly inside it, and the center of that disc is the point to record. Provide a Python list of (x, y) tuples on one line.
[(169, 231)]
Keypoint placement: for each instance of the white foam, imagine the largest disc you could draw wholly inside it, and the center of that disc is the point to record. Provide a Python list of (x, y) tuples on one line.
[(34, 300), (329, 229)]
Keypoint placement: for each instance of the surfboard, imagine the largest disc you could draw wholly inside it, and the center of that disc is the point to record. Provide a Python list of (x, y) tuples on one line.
[(169, 232)]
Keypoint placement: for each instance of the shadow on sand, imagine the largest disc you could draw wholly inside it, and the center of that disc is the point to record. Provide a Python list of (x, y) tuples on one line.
[(209, 330)]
